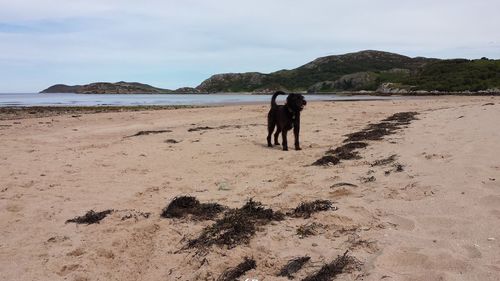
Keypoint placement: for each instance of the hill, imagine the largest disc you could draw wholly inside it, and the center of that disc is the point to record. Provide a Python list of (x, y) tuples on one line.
[(369, 70), (366, 70), (107, 88)]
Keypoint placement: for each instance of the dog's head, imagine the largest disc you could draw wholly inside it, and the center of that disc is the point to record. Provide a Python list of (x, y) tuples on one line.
[(296, 102)]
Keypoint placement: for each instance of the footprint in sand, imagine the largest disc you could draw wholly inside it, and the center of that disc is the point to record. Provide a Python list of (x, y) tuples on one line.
[(441, 262), (490, 201), (402, 223), (435, 156), (67, 269), (472, 251), (76, 252), (439, 224), (286, 182), (411, 192), (495, 213), (339, 193), (13, 208)]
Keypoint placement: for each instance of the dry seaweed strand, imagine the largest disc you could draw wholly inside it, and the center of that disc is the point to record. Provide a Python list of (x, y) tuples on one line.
[(342, 184), (330, 270), (347, 151), (90, 217), (372, 132), (232, 274), (385, 161), (196, 129), (145, 133), (188, 205), (309, 229), (235, 227), (293, 266), (305, 209), (326, 160)]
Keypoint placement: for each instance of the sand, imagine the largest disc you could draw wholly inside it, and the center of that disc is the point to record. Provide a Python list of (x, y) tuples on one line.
[(437, 219)]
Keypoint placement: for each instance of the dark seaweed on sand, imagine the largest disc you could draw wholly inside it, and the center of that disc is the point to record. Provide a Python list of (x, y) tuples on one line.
[(187, 205), (200, 129), (402, 117), (330, 270), (90, 217), (236, 227), (145, 133), (384, 161), (343, 184), (232, 274), (326, 160), (305, 209), (372, 132), (386, 127), (293, 266), (347, 151)]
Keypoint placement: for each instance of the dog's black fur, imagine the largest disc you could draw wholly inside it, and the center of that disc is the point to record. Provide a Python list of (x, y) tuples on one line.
[(285, 117)]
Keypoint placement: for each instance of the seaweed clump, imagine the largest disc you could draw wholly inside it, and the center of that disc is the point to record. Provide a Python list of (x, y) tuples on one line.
[(236, 227), (330, 270), (293, 266), (372, 132), (188, 205), (305, 209), (236, 272), (309, 229), (347, 151), (385, 161), (387, 126), (326, 160), (90, 217), (196, 129), (145, 133)]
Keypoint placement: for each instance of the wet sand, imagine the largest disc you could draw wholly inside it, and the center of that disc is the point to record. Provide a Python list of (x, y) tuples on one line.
[(429, 212)]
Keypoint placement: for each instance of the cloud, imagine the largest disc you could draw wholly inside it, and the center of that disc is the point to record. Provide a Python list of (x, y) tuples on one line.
[(176, 43)]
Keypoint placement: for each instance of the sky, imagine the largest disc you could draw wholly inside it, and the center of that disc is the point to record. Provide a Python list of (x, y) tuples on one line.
[(171, 44)]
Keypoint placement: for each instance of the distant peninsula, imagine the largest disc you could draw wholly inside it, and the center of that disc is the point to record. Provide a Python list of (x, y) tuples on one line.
[(366, 71), (115, 88)]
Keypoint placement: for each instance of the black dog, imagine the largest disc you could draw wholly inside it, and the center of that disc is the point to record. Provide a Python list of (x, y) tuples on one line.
[(285, 117)]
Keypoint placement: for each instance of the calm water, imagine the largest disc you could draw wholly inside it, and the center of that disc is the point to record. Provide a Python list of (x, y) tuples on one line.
[(34, 99)]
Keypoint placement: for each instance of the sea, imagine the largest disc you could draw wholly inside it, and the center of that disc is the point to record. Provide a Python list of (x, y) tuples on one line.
[(66, 99)]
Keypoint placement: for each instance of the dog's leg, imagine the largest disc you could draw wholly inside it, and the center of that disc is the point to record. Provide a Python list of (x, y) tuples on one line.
[(285, 142), (296, 131), (270, 128), (276, 135)]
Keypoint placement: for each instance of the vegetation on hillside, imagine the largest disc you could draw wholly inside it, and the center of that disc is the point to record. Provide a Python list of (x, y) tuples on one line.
[(341, 73), (458, 75)]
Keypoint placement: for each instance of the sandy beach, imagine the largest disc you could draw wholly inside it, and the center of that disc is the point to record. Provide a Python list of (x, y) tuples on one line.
[(429, 212)]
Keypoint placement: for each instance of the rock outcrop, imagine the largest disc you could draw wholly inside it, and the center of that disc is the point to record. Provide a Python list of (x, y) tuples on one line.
[(352, 82), (392, 89), (232, 82), (187, 90)]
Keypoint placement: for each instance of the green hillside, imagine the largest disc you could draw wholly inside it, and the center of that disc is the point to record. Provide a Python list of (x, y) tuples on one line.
[(458, 75), (366, 70)]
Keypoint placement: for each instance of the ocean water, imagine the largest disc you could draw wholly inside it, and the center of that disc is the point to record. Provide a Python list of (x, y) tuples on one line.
[(35, 99)]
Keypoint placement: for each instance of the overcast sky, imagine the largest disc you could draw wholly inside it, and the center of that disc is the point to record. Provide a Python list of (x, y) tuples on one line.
[(180, 43)]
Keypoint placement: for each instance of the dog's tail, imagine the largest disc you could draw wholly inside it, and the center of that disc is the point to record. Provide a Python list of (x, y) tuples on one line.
[(273, 99)]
